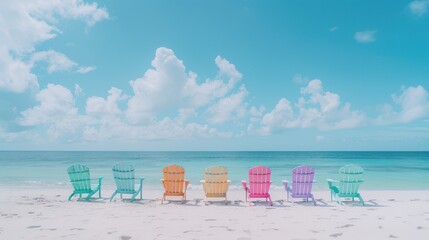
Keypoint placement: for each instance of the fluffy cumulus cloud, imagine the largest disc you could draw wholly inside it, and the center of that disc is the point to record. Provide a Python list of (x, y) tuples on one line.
[(105, 107), (26, 23), (365, 36), (56, 112), (168, 86), (232, 107), (411, 105), (316, 108), (419, 7)]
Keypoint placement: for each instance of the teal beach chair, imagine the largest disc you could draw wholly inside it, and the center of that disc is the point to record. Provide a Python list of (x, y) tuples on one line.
[(125, 181), (81, 181), (348, 185)]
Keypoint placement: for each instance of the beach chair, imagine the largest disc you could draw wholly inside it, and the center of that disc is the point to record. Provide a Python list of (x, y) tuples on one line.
[(348, 185), (215, 183), (81, 181), (302, 182), (126, 181), (259, 184), (174, 182)]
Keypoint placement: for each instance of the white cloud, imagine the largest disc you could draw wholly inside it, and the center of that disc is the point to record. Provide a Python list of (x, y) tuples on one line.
[(56, 103), (15, 75), (232, 107), (159, 88), (413, 105), (103, 107), (87, 69), (169, 86), (365, 36), (315, 109), (202, 94), (26, 23), (77, 90), (56, 61), (419, 7)]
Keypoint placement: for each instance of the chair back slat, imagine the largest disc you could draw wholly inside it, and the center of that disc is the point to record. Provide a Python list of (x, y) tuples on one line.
[(350, 179), (79, 177), (259, 180), (302, 180), (124, 177), (174, 179), (216, 180)]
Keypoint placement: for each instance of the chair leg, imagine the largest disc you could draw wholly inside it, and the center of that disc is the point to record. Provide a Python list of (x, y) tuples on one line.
[(71, 196), (133, 197), (271, 202), (314, 202), (361, 200), (113, 195), (162, 199)]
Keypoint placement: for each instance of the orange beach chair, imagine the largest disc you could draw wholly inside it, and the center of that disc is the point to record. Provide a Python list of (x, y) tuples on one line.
[(174, 182)]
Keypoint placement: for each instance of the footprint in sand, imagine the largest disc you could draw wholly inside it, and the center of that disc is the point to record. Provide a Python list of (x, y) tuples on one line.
[(210, 220), (392, 236), (34, 226), (336, 235), (125, 237), (420, 227), (346, 226)]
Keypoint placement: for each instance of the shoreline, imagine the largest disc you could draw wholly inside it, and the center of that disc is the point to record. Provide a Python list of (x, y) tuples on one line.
[(46, 214)]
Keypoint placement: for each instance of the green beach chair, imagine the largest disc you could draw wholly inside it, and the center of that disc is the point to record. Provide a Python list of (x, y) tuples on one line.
[(81, 181), (348, 185), (125, 181)]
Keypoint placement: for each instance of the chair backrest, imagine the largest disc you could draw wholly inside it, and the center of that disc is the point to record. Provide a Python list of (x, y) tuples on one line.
[(259, 180), (302, 180), (174, 179), (79, 177), (350, 179), (124, 177), (216, 179)]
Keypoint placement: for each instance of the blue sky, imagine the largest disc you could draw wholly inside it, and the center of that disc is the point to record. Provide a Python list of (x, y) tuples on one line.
[(214, 75)]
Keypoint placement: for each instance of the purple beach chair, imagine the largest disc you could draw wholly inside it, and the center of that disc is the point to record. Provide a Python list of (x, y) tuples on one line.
[(302, 182)]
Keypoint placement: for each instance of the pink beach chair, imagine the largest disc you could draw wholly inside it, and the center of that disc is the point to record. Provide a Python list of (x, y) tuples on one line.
[(259, 184), (302, 182)]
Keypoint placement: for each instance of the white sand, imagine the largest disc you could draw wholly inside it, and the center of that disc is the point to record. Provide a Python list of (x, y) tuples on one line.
[(46, 214)]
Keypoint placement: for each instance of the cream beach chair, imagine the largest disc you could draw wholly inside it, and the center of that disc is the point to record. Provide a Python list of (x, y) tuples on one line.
[(215, 183)]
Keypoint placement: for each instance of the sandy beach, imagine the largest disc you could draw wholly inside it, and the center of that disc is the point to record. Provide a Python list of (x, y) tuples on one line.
[(46, 214)]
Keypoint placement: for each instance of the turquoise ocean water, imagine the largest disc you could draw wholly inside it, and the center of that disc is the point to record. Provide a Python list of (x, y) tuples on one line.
[(383, 170)]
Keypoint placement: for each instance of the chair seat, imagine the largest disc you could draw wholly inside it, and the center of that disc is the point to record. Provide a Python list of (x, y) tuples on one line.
[(126, 191), (256, 195), (83, 191), (302, 195)]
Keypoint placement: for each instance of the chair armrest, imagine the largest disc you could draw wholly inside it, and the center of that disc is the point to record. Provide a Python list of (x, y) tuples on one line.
[(332, 180), (202, 181), (99, 178), (141, 180), (186, 184)]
